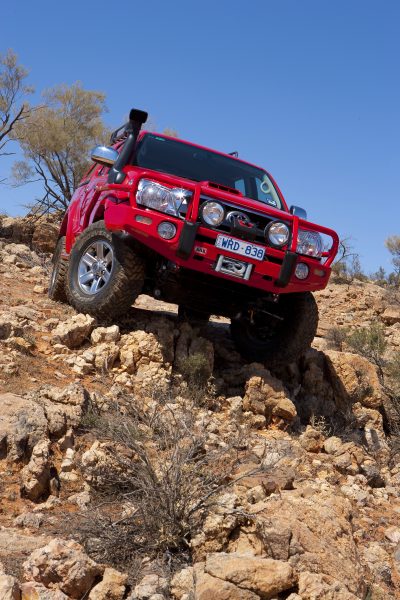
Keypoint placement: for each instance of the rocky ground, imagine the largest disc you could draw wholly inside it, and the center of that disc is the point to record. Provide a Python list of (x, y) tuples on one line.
[(145, 460)]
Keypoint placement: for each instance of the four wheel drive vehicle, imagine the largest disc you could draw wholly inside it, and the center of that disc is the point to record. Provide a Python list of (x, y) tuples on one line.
[(203, 229)]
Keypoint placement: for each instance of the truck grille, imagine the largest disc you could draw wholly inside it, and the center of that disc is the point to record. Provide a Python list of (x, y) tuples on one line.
[(258, 220)]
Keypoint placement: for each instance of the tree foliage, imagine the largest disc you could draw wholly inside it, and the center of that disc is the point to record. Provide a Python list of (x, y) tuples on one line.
[(13, 109), (393, 245), (56, 141), (347, 265)]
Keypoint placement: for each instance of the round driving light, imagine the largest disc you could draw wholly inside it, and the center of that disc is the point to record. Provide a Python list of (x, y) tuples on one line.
[(301, 271), (277, 233), (212, 213), (166, 230)]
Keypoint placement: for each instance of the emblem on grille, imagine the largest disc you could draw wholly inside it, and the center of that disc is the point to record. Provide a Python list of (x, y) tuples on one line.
[(236, 214)]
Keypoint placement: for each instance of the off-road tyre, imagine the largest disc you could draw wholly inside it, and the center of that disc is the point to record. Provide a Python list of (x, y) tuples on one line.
[(59, 273), (291, 337), (126, 277), (196, 318)]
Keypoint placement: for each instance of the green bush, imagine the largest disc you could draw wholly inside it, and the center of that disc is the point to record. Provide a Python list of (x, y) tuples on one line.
[(370, 343), (195, 369)]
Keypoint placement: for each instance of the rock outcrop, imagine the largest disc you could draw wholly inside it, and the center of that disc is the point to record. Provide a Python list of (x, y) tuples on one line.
[(300, 500)]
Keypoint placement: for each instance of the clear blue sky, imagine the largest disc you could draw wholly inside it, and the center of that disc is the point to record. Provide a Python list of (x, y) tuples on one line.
[(309, 89)]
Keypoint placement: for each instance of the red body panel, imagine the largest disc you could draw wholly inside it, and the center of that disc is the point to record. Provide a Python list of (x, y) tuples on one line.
[(116, 203)]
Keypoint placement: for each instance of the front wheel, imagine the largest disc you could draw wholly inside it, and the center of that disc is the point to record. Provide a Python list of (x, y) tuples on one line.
[(277, 333), (105, 275)]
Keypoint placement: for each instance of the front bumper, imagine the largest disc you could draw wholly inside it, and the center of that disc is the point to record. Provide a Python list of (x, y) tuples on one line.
[(194, 248)]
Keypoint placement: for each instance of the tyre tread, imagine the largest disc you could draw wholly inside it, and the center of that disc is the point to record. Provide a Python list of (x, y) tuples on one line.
[(57, 291), (127, 281), (294, 341)]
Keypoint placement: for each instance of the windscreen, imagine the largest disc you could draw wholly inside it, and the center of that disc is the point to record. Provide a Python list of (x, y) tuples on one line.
[(184, 160)]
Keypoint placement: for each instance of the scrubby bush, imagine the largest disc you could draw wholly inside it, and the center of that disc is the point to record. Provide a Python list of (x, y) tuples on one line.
[(160, 478), (370, 342), (195, 369), (336, 337)]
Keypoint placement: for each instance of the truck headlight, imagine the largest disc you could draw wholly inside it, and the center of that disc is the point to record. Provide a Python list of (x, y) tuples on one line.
[(309, 243), (161, 198), (212, 213), (277, 233)]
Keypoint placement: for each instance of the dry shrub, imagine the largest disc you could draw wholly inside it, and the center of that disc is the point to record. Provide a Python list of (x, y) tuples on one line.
[(336, 337), (320, 423), (370, 342), (153, 493)]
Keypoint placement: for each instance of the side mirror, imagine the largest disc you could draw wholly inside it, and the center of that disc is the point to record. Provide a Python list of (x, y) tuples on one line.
[(299, 212), (104, 155)]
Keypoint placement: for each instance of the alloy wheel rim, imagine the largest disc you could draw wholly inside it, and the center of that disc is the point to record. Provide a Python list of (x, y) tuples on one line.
[(95, 267)]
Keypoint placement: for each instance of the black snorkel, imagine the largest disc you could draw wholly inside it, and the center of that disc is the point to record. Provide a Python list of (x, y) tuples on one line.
[(132, 129)]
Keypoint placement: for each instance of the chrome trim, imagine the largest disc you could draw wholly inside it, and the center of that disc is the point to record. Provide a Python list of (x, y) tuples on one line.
[(95, 267)]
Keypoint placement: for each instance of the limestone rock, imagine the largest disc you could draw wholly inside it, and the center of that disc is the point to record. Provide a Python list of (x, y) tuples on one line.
[(356, 378), (63, 564), (15, 543), (332, 445), (73, 332), (311, 440), (35, 476), (148, 357), (208, 587), (30, 520), (64, 407), (9, 588), (263, 576), (265, 395), (140, 348), (105, 334), (378, 561), (105, 355), (182, 583), (391, 315), (111, 587), (313, 586), (36, 591), (321, 534), (150, 587), (22, 425), (193, 582)]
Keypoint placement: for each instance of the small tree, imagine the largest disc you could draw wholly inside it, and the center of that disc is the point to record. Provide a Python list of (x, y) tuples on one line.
[(12, 91), (347, 265), (393, 245), (379, 276), (56, 142)]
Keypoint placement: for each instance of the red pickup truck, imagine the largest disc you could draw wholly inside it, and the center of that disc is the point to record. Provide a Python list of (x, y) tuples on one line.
[(203, 229)]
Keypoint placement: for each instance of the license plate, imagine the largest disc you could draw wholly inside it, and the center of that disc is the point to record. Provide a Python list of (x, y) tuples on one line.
[(240, 247)]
